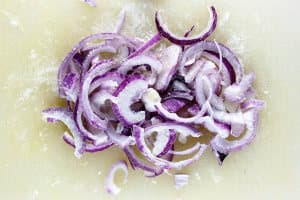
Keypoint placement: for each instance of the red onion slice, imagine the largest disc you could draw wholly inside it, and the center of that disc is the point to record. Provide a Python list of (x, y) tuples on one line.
[(136, 162), (152, 103), (67, 62), (237, 92), (252, 103), (191, 150), (234, 67), (225, 68), (169, 59), (65, 116), (163, 142), (195, 69), (163, 30), (155, 64), (229, 118), (129, 92), (224, 146), (203, 90), (89, 147), (70, 85), (101, 104), (116, 136), (96, 71), (109, 81), (139, 135), (110, 185), (97, 137), (182, 129), (95, 53), (148, 45), (197, 119)]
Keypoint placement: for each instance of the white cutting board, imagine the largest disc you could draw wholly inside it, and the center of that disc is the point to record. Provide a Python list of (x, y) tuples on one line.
[(35, 163)]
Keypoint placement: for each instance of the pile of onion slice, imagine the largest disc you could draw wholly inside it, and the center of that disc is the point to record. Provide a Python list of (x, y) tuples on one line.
[(151, 101)]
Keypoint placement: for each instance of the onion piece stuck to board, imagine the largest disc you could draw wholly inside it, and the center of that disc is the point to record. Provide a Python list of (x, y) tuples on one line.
[(181, 180), (149, 101), (110, 185)]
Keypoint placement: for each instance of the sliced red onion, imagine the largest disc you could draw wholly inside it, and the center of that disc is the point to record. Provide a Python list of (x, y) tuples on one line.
[(169, 59), (237, 92), (217, 102), (96, 137), (203, 90), (163, 30), (191, 150), (163, 142), (195, 69), (229, 118), (110, 185), (181, 180), (138, 133), (129, 92), (65, 116), (148, 45), (101, 104), (96, 71), (116, 136), (233, 67), (68, 61), (225, 68), (155, 64), (222, 129), (109, 81), (228, 56), (252, 103), (136, 162), (95, 54), (181, 129), (152, 103), (89, 147), (220, 56), (144, 100), (197, 119), (224, 146), (71, 86)]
